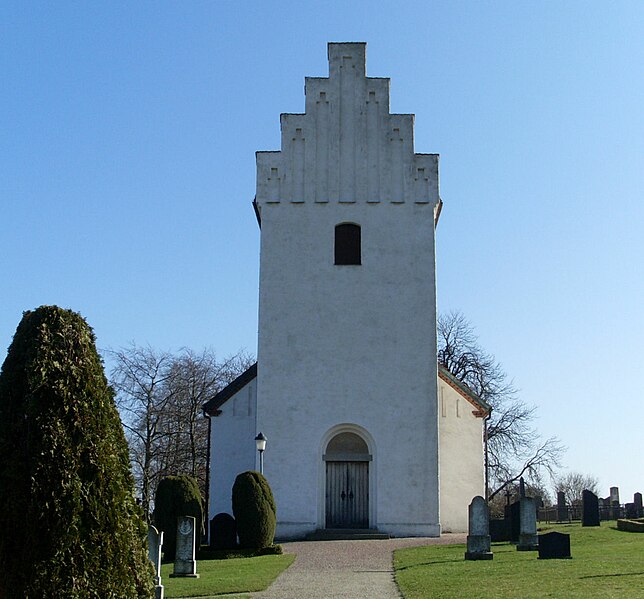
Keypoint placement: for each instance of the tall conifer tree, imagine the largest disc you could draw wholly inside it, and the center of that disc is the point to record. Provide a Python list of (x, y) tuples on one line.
[(69, 523)]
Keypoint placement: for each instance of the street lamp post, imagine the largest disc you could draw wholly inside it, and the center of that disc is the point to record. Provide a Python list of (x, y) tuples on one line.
[(260, 441)]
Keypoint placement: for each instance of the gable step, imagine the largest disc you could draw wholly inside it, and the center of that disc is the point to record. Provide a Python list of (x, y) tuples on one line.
[(346, 534)]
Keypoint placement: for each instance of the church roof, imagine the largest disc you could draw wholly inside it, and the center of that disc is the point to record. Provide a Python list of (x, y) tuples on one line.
[(482, 408), (211, 407)]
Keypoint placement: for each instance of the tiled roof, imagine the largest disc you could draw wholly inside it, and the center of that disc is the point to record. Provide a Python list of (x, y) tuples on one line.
[(211, 407), (482, 408)]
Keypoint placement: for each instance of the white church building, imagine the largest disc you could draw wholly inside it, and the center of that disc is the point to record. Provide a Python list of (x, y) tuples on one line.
[(364, 429)]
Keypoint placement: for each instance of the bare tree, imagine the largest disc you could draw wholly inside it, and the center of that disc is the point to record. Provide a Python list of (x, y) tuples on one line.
[(536, 487), (574, 483), (160, 396), (515, 448), (140, 378), (196, 378)]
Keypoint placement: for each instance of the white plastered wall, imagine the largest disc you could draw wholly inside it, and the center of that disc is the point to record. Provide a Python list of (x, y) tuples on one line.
[(461, 457), (232, 446)]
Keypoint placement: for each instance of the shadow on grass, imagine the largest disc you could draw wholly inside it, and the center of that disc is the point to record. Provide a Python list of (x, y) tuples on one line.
[(612, 575), (637, 532), (441, 561)]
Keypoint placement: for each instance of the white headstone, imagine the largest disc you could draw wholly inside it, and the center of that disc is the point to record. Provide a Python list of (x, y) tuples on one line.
[(155, 542), (185, 564)]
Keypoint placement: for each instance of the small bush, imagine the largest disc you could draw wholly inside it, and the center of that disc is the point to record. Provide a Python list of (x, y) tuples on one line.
[(254, 510), (176, 496), (223, 532)]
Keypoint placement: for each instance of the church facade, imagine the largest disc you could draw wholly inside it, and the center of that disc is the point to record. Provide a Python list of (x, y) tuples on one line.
[(364, 430)]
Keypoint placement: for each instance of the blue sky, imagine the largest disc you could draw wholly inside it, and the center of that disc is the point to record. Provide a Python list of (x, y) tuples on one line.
[(127, 140)]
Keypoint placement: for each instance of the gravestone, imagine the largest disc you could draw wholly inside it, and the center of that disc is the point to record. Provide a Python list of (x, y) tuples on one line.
[(590, 508), (554, 545), (478, 539), (500, 530), (614, 495), (185, 564), (528, 540), (615, 512), (155, 542), (223, 532), (515, 521), (630, 511), (637, 500), (562, 508)]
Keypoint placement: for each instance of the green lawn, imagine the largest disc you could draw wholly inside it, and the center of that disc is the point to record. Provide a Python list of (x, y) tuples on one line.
[(219, 577), (605, 563)]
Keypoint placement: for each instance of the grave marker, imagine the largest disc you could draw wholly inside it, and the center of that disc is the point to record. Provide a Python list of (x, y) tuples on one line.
[(478, 539), (185, 565), (528, 540), (515, 521), (614, 495), (155, 542), (590, 508), (562, 508), (554, 545)]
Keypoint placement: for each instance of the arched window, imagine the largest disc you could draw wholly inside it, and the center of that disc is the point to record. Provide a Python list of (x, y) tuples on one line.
[(347, 244)]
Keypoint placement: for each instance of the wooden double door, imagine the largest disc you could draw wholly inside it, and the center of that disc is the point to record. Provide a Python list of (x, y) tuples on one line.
[(347, 494)]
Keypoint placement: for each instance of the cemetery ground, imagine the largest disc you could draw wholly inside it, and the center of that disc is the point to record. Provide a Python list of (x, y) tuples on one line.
[(605, 563), (230, 577)]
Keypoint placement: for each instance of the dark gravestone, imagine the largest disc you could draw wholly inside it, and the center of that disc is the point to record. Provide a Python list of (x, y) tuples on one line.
[(538, 505), (223, 532), (590, 509), (630, 511), (637, 500), (554, 545), (500, 530), (515, 521), (562, 509)]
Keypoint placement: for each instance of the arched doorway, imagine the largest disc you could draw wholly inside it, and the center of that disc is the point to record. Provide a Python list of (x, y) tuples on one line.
[(347, 481)]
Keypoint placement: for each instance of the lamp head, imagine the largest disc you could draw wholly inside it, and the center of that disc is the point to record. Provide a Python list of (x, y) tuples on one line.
[(260, 441)]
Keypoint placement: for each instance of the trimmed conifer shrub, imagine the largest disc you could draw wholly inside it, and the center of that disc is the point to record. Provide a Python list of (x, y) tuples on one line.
[(176, 496), (254, 510), (223, 532), (69, 523)]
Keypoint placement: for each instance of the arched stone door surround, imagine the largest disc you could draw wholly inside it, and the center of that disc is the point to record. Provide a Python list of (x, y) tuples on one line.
[(346, 481)]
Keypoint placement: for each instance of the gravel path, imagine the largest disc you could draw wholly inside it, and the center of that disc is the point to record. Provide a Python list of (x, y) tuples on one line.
[(344, 569)]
